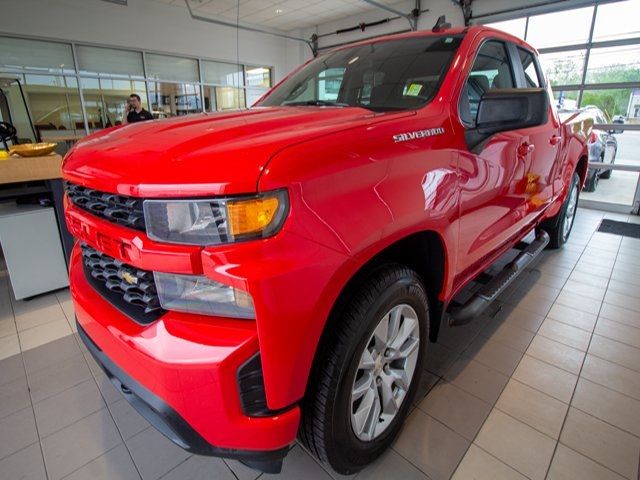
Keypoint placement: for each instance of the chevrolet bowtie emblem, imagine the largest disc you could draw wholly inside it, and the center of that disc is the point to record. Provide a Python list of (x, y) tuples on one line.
[(130, 279)]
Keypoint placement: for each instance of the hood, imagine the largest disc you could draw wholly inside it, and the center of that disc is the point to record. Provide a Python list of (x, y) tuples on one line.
[(207, 154)]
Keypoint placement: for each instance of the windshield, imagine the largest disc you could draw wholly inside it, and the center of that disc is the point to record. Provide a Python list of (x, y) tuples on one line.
[(398, 74)]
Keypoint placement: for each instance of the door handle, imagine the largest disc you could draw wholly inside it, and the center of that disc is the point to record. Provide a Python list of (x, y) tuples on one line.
[(525, 149), (555, 140)]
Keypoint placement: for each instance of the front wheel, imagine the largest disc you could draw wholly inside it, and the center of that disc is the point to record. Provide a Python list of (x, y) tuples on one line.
[(367, 371), (559, 227)]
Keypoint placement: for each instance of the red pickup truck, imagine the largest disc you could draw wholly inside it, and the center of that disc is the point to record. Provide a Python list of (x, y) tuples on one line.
[(251, 276)]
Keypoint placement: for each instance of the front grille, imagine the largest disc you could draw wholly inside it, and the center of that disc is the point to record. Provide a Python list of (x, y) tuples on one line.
[(119, 209), (131, 290)]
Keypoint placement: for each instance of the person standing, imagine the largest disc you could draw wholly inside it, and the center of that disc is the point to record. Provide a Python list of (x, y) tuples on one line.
[(134, 112)]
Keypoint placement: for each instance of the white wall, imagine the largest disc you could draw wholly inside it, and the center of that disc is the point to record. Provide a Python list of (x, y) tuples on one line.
[(143, 24)]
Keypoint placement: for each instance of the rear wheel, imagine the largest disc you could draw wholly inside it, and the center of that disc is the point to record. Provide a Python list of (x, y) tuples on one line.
[(592, 182), (607, 174), (559, 227), (367, 371)]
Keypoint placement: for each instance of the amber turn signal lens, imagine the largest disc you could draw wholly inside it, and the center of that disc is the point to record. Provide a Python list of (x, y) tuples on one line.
[(251, 216)]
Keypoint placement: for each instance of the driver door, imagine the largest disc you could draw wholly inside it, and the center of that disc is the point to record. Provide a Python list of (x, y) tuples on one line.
[(493, 177)]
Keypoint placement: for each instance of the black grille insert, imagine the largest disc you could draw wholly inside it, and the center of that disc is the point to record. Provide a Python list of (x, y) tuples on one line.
[(131, 290), (119, 209)]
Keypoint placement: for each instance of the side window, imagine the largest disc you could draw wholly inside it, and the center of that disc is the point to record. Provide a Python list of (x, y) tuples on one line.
[(530, 71), (491, 69)]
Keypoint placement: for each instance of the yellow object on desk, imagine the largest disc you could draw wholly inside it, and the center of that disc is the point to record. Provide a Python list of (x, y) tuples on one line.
[(32, 149), (4, 155)]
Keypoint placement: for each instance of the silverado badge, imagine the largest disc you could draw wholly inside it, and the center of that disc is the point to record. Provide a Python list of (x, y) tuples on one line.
[(403, 137)]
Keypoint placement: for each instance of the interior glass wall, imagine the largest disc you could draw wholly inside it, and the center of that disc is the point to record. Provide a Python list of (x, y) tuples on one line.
[(66, 82)]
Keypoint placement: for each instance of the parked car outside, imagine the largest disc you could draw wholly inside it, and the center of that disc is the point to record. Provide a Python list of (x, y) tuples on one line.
[(603, 147)]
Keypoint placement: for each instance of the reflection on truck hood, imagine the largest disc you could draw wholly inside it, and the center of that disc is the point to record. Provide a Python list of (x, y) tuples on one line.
[(226, 151)]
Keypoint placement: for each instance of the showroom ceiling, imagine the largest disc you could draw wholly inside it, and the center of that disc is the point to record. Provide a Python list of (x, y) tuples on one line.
[(280, 14)]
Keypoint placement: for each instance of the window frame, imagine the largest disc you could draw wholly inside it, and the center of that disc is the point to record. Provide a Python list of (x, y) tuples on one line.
[(516, 75)]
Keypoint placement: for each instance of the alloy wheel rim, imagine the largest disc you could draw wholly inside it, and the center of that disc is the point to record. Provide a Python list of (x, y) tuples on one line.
[(385, 371), (570, 213)]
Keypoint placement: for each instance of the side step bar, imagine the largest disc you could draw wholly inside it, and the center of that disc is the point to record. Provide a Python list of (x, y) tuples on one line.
[(461, 315)]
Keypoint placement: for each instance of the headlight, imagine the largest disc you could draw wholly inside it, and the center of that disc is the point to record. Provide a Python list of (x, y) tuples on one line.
[(216, 221), (197, 294)]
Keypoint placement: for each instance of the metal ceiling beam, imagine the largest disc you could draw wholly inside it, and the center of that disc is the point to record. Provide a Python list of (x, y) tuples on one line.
[(412, 17), (231, 24)]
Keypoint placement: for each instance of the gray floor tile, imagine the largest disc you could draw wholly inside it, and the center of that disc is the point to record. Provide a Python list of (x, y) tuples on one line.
[(200, 468), (615, 352), (457, 409), (493, 354), (570, 465), (67, 407), (477, 379), (510, 335), (116, 464), (129, 422), (521, 447), (604, 443), (612, 375), (615, 408), (520, 318), (439, 358), (299, 464), (480, 465), (618, 331), (154, 454), (241, 471), (427, 381), (74, 446), (11, 368), (108, 391), (557, 354), (14, 396), (391, 465), (50, 353), (431, 446), (57, 378), (17, 431), (26, 464)]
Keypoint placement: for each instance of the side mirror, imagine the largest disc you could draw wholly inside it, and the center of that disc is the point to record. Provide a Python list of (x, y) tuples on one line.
[(503, 110)]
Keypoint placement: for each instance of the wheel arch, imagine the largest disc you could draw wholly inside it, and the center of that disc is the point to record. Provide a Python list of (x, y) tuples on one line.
[(424, 252)]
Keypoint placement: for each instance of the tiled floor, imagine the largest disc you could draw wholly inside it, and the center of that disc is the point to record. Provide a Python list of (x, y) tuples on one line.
[(546, 385)]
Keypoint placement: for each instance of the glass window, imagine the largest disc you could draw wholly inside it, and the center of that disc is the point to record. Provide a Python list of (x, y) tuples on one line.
[(210, 99), (254, 94), (614, 64), (108, 61), (612, 102), (258, 77), (219, 73), (170, 99), (491, 69), (566, 99), (560, 28), (515, 27), (529, 66), (617, 20), (229, 98), (564, 68), (105, 99), (19, 54), (410, 70), (54, 102), (165, 67)]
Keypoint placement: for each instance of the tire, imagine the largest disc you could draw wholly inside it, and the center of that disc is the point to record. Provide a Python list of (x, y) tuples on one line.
[(607, 174), (592, 182), (557, 227), (329, 424)]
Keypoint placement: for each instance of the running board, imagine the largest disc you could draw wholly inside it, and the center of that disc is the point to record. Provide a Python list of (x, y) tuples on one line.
[(461, 315)]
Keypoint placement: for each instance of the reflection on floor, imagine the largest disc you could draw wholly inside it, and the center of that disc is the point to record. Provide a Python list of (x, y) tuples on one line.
[(545, 385)]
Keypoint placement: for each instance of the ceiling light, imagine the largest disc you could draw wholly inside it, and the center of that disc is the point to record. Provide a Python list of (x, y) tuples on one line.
[(278, 11)]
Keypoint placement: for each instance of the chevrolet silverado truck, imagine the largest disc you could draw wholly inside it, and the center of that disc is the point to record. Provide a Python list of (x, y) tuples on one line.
[(250, 277)]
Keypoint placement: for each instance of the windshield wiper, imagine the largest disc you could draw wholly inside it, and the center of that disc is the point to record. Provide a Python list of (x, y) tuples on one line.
[(317, 103)]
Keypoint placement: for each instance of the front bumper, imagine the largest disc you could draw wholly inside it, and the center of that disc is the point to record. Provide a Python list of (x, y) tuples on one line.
[(181, 374)]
